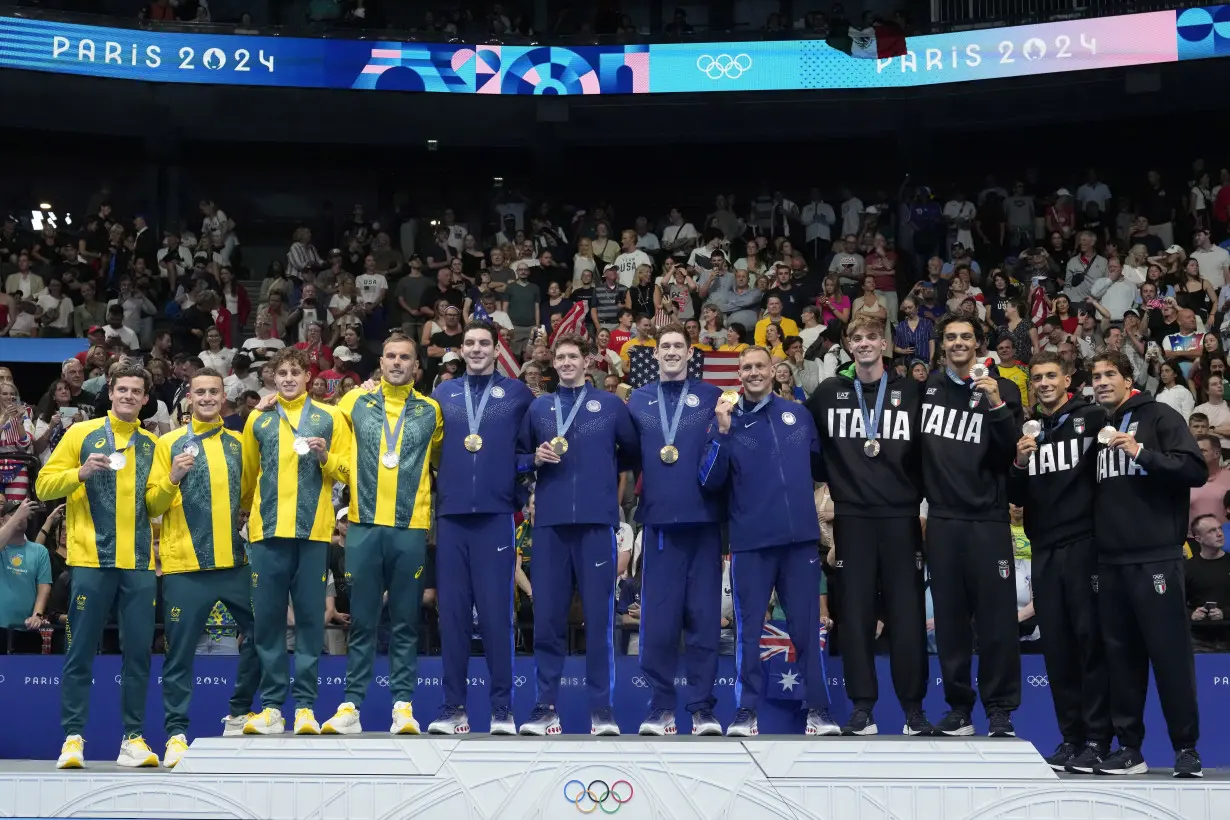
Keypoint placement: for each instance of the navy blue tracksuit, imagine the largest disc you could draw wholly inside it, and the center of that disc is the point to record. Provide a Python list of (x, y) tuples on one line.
[(476, 555), (765, 467), (681, 580), (576, 510)]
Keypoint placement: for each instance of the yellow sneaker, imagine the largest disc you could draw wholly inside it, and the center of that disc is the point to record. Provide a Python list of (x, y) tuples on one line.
[(403, 719), (72, 753), (345, 722), (305, 722), (177, 746), (268, 722), (135, 753)]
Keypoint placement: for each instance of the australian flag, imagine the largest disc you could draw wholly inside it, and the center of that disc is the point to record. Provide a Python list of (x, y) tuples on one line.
[(783, 675)]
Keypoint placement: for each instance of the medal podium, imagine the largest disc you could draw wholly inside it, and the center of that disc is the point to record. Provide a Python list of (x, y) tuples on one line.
[(376, 776)]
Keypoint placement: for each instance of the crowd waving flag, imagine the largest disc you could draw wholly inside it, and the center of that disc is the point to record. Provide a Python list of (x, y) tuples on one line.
[(505, 361), (573, 322), (879, 41)]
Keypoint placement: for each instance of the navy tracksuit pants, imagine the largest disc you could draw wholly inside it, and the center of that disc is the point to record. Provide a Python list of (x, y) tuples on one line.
[(681, 591), (584, 554), (476, 565), (794, 571)]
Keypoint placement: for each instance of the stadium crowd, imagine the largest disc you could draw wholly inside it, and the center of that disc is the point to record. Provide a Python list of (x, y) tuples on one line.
[(1075, 270)]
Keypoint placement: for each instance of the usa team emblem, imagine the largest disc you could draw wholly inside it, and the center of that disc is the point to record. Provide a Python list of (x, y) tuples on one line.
[(894, 398), (788, 418), (593, 405), (1004, 569), (1079, 424), (497, 392), (1159, 584), (692, 400)]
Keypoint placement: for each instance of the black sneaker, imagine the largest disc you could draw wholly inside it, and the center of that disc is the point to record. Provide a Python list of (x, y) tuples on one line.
[(1064, 754), (861, 722), (1187, 764), (917, 725), (999, 724), (1124, 760), (1087, 758), (956, 724)]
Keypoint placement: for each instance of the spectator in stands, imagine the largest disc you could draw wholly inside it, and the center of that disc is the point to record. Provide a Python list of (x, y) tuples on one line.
[(263, 345), (25, 580), (1209, 499), (1207, 586)]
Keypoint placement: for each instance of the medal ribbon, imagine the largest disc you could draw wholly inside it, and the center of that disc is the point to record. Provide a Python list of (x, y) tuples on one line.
[(958, 379), (669, 430), (562, 425), (758, 406), (475, 417), (110, 434), (871, 421), (307, 406), (1055, 426), (1127, 419), (391, 433), (190, 437)]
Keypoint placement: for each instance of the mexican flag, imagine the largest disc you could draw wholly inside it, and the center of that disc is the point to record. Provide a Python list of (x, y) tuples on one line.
[(877, 42)]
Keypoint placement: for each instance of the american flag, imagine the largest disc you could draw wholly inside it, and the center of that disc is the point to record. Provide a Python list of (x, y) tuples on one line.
[(1039, 310), (718, 367), (505, 361), (572, 323)]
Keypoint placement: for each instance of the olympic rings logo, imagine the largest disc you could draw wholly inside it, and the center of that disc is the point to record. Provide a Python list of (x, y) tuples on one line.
[(723, 65), (519, 681), (382, 681), (588, 797), (640, 683), (1037, 680)]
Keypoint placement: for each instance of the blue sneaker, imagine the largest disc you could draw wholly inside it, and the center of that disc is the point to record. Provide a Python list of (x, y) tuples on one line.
[(502, 722), (543, 721), (744, 724), (602, 723), (452, 721), (661, 722), (820, 722), (705, 723)]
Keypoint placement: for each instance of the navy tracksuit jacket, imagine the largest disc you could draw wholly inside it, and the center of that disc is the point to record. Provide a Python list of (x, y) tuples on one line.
[(765, 467), (681, 577), (476, 555)]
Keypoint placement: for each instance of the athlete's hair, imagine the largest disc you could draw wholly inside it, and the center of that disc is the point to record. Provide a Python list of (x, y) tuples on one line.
[(207, 373), (291, 355), (579, 342), (954, 319), (1047, 357), (125, 370), (743, 354), (475, 324), (864, 323), (674, 327), (1117, 360), (400, 338)]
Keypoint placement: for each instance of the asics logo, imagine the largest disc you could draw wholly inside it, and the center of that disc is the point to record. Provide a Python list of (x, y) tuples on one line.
[(1037, 680), (723, 65)]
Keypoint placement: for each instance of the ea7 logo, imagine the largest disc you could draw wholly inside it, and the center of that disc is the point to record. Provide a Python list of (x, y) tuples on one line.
[(931, 391), (1159, 584), (1005, 569), (843, 395)]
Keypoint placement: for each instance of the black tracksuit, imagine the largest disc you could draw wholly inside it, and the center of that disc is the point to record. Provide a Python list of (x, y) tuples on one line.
[(1056, 490), (967, 449), (1140, 513), (875, 501)]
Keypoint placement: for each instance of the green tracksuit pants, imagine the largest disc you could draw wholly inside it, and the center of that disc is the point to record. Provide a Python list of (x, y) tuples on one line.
[(289, 569)]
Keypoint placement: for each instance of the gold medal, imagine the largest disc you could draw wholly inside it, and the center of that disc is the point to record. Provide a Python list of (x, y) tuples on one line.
[(560, 445), (669, 454), (474, 442), (731, 396)]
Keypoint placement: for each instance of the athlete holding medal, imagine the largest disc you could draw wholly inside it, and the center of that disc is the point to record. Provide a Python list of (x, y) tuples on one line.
[(288, 474), (591, 440), (393, 440), (476, 557), (681, 583)]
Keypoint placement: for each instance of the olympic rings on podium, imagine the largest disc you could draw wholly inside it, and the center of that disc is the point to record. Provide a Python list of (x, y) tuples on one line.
[(593, 798)]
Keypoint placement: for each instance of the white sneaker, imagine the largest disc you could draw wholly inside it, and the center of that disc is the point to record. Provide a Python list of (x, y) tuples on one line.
[(136, 754), (502, 722), (268, 722), (177, 747), (72, 753), (345, 722), (305, 722), (403, 719), (452, 721), (232, 725)]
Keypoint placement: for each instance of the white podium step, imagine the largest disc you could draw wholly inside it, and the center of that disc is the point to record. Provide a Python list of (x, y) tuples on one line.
[(377, 777)]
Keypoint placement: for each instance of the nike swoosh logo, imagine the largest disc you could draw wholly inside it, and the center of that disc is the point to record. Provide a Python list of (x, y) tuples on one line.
[(501, 549), (600, 564), (749, 424), (814, 560), (652, 403)]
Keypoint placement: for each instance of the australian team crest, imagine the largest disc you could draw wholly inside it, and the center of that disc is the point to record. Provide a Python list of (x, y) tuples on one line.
[(1159, 584), (1005, 568), (1079, 424), (894, 398)]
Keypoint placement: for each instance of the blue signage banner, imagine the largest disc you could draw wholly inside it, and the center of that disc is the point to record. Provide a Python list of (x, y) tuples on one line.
[(29, 686), (295, 62)]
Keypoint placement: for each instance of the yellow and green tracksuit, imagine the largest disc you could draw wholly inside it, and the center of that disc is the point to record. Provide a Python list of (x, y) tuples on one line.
[(203, 560), (390, 513), (110, 550), (290, 498)]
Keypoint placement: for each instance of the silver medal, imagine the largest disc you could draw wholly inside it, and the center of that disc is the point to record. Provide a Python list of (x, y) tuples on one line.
[(1032, 428), (871, 448), (192, 449), (979, 371), (117, 461), (301, 446), (389, 459), (1106, 434)]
